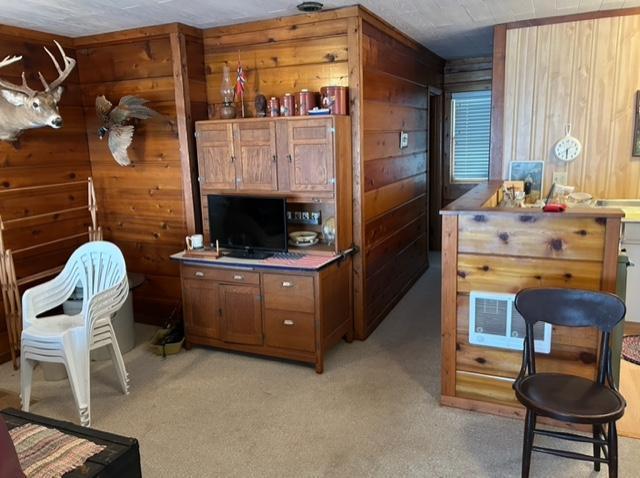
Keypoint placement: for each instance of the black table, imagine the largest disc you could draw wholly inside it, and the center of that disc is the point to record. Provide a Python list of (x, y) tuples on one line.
[(120, 458)]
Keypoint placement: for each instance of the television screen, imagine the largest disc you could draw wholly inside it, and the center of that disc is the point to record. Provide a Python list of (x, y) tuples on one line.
[(248, 222)]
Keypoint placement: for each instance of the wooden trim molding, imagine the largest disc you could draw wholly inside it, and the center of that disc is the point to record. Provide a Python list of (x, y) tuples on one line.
[(610, 260), (449, 307), (576, 17), (185, 129), (497, 101), (136, 34)]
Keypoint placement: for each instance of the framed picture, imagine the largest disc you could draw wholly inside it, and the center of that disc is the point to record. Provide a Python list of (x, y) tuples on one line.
[(636, 127), (528, 170)]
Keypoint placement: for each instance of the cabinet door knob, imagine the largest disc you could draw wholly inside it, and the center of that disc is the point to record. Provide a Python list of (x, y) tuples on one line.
[(238, 277), (199, 274), (287, 322), (287, 284)]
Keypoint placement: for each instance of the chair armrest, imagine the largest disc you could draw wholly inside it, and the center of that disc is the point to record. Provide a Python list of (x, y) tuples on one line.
[(44, 297)]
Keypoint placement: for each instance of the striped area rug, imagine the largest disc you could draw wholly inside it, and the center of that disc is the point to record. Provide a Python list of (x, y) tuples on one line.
[(48, 453)]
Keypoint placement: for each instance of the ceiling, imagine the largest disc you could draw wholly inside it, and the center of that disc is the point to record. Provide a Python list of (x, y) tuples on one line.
[(451, 28)]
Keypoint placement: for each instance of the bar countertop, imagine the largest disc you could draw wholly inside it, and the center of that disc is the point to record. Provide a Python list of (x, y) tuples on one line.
[(484, 198)]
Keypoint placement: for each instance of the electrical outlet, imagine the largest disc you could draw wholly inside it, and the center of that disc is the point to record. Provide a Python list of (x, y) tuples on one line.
[(404, 139), (560, 177)]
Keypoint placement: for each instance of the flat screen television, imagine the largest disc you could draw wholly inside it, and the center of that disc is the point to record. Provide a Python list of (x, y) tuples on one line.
[(250, 226)]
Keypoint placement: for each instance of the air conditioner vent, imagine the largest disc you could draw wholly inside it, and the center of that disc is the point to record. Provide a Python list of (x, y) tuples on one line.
[(495, 322)]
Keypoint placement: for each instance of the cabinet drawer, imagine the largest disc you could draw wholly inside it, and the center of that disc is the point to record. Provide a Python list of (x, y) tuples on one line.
[(221, 275), (290, 330), (289, 292)]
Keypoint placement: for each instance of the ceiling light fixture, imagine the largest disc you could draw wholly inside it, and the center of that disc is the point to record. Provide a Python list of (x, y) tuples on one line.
[(308, 7)]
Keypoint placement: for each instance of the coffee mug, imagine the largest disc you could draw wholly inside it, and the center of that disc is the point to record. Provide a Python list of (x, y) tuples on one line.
[(195, 241)]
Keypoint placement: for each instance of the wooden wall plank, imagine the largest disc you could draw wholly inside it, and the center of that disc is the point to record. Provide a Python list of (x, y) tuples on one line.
[(510, 274), (576, 72)]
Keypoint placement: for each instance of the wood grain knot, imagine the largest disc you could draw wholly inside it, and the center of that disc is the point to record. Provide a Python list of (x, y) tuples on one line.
[(458, 348), (480, 360), (601, 220), (331, 58), (6, 184), (527, 219), (504, 237), (581, 232), (568, 275), (480, 218), (485, 268), (587, 357), (537, 277), (462, 274), (556, 244)]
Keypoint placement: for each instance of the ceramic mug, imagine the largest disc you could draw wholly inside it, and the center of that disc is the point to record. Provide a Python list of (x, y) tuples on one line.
[(195, 241)]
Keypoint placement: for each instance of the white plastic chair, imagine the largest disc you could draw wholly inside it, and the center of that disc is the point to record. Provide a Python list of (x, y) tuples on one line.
[(100, 268)]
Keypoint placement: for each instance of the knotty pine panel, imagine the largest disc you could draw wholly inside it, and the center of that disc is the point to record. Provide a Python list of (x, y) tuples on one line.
[(379, 201), (525, 235), (384, 226), (44, 156), (582, 73), (386, 144), (485, 388), (510, 274), (384, 171), (141, 207)]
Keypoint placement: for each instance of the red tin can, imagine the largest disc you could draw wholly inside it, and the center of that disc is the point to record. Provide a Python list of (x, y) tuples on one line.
[(336, 98), (306, 102), (287, 105), (274, 107)]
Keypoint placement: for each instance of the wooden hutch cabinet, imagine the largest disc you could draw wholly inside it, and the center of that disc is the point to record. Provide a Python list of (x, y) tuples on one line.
[(251, 306)]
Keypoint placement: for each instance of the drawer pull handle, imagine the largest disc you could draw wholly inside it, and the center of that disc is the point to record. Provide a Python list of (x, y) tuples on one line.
[(287, 322), (199, 274), (287, 284), (238, 277)]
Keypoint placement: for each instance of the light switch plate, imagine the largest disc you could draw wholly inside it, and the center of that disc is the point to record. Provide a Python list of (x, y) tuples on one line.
[(404, 139), (560, 177)]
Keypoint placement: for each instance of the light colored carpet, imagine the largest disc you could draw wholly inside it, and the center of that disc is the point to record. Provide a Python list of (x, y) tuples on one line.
[(374, 412)]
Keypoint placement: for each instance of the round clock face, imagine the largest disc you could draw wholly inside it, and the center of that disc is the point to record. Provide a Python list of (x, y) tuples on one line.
[(568, 148)]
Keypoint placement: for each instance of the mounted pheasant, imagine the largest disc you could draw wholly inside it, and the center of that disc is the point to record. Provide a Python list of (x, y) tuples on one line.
[(24, 108), (114, 121)]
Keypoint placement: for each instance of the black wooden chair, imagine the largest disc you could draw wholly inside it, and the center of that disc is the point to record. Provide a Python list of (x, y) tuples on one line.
[(568, 398)]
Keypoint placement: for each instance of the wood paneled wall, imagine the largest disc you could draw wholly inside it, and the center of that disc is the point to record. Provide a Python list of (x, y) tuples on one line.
[(144, 208), (44, 156), (387, 75), (468, 74), (580, 72), (279, 56), (395, 97)]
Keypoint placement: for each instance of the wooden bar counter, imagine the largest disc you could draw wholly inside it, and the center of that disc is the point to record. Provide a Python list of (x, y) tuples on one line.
[(493, 249)]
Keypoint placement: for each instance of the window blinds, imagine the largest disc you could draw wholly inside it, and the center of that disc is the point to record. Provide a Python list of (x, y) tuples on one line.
[(471, 127)]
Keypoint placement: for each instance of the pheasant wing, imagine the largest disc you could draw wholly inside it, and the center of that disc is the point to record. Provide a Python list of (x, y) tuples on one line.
[(103, 106), (131, 107), (120, 138)]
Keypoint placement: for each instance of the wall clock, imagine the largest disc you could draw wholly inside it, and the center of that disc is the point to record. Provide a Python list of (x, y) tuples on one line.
[(568, 148)]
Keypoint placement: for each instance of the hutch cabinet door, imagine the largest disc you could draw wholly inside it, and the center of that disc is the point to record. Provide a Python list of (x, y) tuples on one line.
[(310, 155), (241, 314), (201, 307), (256, 161), (216, 161)]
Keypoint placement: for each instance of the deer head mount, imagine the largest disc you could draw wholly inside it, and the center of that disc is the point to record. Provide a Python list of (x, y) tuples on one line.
[(24, 108)]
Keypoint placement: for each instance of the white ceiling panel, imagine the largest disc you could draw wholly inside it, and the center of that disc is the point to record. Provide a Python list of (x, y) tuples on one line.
[(451, 28)]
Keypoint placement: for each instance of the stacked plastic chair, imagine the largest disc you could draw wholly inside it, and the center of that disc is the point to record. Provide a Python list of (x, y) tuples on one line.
[(99, 268)]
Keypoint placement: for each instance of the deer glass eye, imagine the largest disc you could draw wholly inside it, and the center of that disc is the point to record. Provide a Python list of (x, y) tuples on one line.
[(36, 105)]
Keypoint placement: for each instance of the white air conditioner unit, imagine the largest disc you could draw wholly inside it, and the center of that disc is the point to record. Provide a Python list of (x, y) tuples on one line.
[(495, 322)]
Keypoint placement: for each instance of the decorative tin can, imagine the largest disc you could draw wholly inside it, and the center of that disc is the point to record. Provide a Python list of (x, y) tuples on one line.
[(287, 105), (274, 107), (306, 102), (336, 98)]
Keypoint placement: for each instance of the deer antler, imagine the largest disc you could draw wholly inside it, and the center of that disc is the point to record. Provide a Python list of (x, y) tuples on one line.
[(69, 64), (24, 88)]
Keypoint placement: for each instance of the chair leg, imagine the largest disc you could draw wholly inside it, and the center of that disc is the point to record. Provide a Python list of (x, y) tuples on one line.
[(529, 427), (118, 363), (26, 377), (80, 381), (613, 450), (596, 447)]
